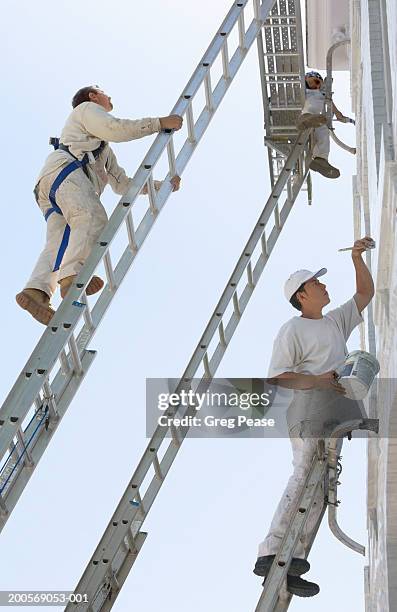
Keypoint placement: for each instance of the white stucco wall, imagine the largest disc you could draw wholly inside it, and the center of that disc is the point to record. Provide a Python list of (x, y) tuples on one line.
[(374, 98)]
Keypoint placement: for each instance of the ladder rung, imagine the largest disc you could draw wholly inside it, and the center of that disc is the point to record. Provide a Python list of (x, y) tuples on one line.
[(277, 217), (87, 316), (65, 367), (171, 156), (190, 124), (78, 369), (225, 60), (151, 190), (174, 435), (264, 246), (131, 232), (249, 275), (282, 54), (206, 364), (208, 91), (241, 31), (49, 398), (156, 465), (109, 271), (236, 305), (222, 338)]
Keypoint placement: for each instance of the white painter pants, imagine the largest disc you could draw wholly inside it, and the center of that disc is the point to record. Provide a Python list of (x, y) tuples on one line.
[(303, 450), (314, 105), (83, 211)]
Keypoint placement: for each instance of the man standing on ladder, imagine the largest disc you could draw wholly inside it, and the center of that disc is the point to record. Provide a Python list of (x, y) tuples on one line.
[(68, 192), (306, 353)]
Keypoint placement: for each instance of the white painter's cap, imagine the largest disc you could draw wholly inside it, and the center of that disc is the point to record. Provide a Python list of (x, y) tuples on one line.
[(298, 278)]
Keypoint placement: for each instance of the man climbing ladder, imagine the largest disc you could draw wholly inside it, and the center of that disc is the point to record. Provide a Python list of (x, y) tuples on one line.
[(68, 193)]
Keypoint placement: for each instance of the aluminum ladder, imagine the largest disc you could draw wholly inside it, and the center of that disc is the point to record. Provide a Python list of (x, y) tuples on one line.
[(324, 471), (122, 540), (53, 373)]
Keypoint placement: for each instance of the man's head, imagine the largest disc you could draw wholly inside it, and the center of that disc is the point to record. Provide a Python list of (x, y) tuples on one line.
[(92, 93), (313, 80), (305, 292)]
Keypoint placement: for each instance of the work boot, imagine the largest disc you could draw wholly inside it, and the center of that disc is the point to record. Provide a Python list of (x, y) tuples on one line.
[(37, 303), (307, 121), (93, 286), (321, 165), (301, 588), (296, 568)]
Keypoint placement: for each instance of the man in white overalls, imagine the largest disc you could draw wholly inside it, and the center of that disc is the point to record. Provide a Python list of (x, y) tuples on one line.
[(68, 192), (313, 115)]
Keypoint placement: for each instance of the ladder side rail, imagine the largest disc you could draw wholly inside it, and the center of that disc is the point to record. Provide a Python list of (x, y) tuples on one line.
[(282, 604), (29, 383), (126, 512)]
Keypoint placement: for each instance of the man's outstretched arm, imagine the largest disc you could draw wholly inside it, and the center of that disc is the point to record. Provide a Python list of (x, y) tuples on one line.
[(364, 284), (98, 122)]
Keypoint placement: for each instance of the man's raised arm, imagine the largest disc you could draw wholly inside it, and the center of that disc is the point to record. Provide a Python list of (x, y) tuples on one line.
[(364, 284)]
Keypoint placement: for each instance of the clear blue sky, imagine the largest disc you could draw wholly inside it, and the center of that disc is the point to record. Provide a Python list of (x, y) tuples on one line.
[(219, 498)]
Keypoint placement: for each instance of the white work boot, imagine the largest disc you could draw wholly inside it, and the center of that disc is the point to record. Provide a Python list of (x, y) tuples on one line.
[(321, 165), (37, 303), (93, 286), (308, 120)]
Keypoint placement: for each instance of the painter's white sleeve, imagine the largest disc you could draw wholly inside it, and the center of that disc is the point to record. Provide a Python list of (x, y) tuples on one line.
[(104, 126), (285, 356)]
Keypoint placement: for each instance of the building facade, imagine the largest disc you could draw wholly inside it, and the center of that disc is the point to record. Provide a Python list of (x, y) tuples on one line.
[(373, 32)]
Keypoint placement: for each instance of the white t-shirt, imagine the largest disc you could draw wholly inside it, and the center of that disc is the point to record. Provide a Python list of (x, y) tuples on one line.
[(314, 346)]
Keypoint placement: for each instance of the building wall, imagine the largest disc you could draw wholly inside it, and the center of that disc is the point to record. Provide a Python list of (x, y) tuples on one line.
[(373, 26)]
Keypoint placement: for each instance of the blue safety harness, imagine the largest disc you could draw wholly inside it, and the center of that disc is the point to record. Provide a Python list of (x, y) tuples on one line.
[(74, 165)]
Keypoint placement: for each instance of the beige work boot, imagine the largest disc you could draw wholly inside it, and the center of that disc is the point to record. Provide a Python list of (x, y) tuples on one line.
[(93, 286), (37, 303), (321, 165), (307, 120)]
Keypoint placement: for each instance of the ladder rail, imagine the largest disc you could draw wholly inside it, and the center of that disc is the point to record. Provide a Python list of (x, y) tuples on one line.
[(17, 409), (126, 512)]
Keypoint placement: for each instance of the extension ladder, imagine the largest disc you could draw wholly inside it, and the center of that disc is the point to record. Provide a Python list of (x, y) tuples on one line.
[(52, 375), (122, 539)]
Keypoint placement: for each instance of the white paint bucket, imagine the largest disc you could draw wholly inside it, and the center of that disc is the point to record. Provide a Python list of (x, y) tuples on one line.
[(357, 374)]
